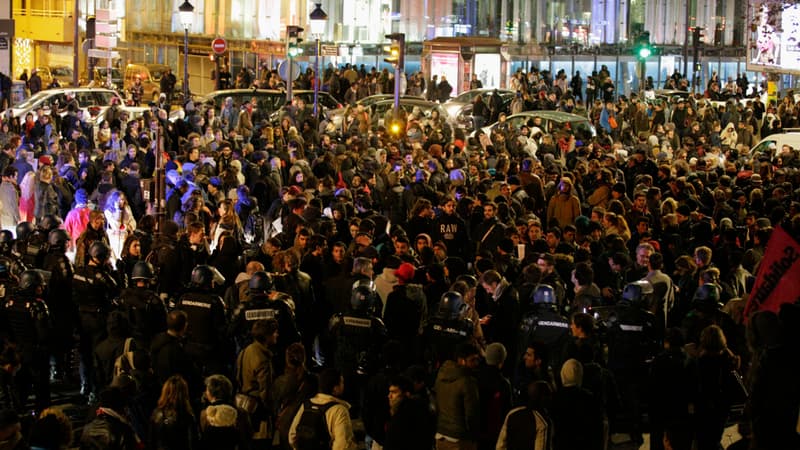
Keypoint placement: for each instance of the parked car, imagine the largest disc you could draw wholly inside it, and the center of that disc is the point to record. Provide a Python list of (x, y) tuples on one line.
[(380, 110), (133, 112), (92, 100), (270, 100), (150, 74), (62, 73), (456, 106), (101, 76), (772, 145), (550, 121)]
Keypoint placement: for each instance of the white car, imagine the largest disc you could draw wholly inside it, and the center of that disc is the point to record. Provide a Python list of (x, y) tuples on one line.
[(91, 100)]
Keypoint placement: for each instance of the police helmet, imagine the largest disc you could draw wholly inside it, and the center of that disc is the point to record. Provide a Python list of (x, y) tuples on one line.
[(143, 270), (706, 296), (58, 238), (6, 239), (363, 295), (451, 305), (99, 251), (50, 222), (24, 230), (30, 280), (260, 282), (469, 279), (637, 291), (202, 276), (544, 294)]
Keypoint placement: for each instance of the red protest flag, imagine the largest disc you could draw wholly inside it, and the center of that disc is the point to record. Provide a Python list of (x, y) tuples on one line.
[(778, 277)]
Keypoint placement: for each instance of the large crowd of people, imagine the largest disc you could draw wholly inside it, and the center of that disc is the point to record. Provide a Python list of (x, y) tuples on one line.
[(530, 288)]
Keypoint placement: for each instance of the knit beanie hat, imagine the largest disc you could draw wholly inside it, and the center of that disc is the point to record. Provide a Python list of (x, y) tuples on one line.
[(405, 273)]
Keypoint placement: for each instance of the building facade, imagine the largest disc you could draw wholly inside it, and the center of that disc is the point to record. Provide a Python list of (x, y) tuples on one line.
[(150, 30)]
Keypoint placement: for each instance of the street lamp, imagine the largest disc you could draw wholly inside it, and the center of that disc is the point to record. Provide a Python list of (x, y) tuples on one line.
[(186, 13), (318, 19)]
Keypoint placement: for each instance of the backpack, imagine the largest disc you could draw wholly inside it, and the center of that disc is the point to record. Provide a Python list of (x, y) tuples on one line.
[(124, 365), (312, 430)]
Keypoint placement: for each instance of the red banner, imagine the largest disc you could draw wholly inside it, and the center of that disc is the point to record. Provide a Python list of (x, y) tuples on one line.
[(778, 278)]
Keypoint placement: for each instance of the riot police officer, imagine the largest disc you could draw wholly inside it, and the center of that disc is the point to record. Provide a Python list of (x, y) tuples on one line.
[(634, 338), (448, 328), (358, 336), (93, 288), (265, 303), (23, 231), (207, 337), (37, 241), (28, 322), (144, 310), (59, 298), (545, 325), (11, 260)]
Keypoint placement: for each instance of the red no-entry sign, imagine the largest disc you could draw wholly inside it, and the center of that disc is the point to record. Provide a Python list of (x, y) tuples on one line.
[(219, 46)]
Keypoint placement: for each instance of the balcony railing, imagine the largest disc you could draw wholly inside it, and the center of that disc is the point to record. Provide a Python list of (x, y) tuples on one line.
[(48, 8)]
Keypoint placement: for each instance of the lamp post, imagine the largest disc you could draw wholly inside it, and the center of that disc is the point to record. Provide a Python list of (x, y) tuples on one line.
[(318, 19), (186, 13)]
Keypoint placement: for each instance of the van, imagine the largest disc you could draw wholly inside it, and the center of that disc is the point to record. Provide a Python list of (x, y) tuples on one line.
[(150, 75), (772, 144)]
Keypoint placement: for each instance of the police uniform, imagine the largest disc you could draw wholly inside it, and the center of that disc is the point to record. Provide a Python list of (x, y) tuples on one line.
[(59, 301), (27, 321), (633, 340), (261, 307), (445, 334), (93, 287), (207, 335), (145, 312), (358, 337), (545, 325)]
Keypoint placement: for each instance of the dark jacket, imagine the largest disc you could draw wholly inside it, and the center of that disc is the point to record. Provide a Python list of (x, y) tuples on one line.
[(578, 420), (170, 358), (108, 431), (404, 428), (457, 402), (172, 430)]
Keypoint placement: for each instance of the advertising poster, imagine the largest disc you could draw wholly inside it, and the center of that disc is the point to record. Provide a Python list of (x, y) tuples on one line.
[(447, 64), (487, 67), (774, 37)]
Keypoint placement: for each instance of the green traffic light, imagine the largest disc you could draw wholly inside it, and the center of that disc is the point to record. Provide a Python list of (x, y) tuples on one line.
[(645, 52)]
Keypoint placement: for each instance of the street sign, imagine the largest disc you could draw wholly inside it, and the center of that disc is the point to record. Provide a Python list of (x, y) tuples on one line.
[(105, 15), (105, 41), (102, 54), (329, 50), (283, 68), (106, 28), (219, 46)]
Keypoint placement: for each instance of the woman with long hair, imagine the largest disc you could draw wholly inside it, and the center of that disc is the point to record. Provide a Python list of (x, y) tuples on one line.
[(119, 221), (228, 222), (131, 254), (173, 425)]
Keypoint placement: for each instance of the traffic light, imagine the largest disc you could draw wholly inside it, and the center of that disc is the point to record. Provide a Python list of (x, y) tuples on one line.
[(397, 50), (293, 41), (643, 49), (698, 34)]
